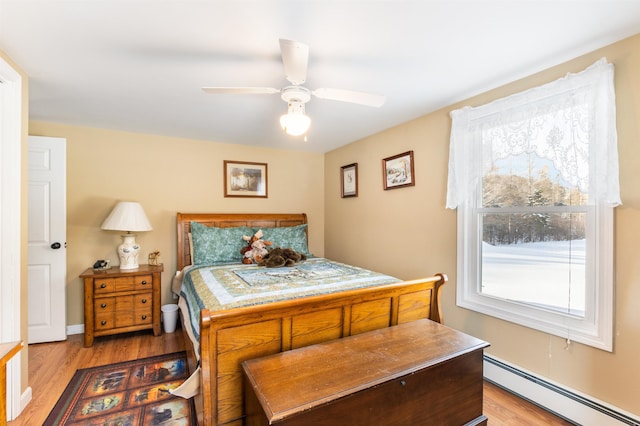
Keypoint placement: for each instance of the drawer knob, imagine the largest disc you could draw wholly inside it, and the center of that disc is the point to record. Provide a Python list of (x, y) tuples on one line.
[(103, 285), (103, 322), (144, 282), (144, 317), (103, 305), (403, 383), (144, 300)]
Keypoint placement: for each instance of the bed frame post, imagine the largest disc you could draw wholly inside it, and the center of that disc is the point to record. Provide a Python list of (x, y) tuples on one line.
[(436, 307), (207, 369)]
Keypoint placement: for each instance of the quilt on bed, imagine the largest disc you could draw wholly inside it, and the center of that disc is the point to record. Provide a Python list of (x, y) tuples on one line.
[(226, 286)]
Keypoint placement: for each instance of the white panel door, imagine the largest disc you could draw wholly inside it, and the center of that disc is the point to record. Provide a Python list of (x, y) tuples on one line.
[(47, 239)]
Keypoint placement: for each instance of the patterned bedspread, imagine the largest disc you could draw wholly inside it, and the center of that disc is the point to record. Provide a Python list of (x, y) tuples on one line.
[(228, 286)]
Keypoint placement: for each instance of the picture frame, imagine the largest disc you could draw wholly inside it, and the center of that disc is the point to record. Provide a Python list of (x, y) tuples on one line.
[(349, 180), (245, 179), (398, 171)]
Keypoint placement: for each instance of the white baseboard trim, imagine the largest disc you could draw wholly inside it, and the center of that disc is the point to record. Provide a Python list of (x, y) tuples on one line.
[(25, 399), (75, 329), (571, 405)]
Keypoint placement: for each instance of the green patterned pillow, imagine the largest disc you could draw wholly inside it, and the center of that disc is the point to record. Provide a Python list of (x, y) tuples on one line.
[(211, 244), (294, 237)]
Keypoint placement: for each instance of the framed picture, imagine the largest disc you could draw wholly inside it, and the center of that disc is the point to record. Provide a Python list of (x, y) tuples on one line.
[(244, 179), (349, 180), (398, 171)]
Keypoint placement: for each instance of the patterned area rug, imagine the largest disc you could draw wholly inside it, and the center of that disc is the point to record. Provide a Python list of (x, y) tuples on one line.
[(129, 393)]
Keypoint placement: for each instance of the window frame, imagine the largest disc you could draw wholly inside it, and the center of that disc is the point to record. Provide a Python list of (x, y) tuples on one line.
[(465, 194), (594, 329)]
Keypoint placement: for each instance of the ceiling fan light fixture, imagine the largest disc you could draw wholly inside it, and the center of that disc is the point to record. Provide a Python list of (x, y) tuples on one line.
[(295, 58), (295, 122)]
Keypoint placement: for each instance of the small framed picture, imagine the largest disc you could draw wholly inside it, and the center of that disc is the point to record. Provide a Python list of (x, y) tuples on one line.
[(398, 171), (349, 180), (244, 179)]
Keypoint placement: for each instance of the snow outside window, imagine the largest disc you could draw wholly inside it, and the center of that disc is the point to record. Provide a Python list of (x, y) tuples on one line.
[(534, 177)]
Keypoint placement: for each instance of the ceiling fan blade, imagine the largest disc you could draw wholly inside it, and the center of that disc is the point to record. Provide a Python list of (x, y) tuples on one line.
[(241, 90), (362, 98), (295, 57)]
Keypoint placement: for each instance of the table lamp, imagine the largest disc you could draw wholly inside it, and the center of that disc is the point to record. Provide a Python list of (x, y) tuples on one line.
[(129, 217)]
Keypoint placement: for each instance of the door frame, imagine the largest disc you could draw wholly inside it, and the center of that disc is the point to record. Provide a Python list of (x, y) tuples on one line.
[(11, 127)]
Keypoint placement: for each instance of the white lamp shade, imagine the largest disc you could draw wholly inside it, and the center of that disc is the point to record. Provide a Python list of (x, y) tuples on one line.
[(127, 216)]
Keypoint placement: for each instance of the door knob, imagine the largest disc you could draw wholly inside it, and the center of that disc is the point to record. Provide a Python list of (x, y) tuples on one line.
[(56, 246)]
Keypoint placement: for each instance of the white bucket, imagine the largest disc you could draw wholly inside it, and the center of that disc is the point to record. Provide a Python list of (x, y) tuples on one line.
[(169, 317)]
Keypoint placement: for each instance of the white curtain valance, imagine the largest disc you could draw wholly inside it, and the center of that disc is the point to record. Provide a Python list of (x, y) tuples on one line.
[(570, 121)]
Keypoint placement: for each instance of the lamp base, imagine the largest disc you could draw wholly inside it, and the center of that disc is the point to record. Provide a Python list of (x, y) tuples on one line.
[(128, 252)]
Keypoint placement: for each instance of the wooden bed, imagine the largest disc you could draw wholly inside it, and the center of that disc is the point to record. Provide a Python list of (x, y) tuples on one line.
[(232, 336)]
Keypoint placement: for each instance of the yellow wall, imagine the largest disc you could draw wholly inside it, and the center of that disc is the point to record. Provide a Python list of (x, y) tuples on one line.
[(167, 175), (409, 233)]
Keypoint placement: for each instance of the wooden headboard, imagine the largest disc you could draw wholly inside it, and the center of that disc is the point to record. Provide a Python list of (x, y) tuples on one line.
[(229, 220)]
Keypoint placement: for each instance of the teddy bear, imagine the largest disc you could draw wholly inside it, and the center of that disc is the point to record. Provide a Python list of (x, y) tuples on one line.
[(278, 257), (256, 248)]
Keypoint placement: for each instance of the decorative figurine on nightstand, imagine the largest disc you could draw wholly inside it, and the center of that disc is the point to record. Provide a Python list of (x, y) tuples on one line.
[(154, 258), (102, 265)]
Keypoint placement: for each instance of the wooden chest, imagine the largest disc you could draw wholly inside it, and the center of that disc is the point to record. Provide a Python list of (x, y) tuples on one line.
[(415, 373)]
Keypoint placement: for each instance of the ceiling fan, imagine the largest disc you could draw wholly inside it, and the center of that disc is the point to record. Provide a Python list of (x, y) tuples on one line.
[(295, 57)]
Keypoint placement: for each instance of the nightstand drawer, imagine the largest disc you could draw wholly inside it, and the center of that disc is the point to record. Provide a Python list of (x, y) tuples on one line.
[(105, 321), (104, 305), (144, 316), (142, 301), (143, 282), (103, 285)]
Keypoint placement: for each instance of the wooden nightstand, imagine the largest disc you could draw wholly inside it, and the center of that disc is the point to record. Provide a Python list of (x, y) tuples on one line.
[(119, 301)]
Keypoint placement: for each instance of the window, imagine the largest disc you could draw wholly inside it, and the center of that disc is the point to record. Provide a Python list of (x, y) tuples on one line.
[(534, 177)]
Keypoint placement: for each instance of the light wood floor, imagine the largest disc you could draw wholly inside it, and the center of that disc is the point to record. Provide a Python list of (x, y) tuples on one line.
[(51, 366)]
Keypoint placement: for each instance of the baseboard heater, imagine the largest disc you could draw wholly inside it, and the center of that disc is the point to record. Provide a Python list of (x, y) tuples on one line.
[(570, 405)]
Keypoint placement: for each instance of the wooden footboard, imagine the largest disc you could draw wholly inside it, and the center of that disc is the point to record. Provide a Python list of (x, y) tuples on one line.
[(230, 337)]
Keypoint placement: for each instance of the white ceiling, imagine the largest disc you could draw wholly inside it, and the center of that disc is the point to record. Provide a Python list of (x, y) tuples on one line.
[(139, 65)]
